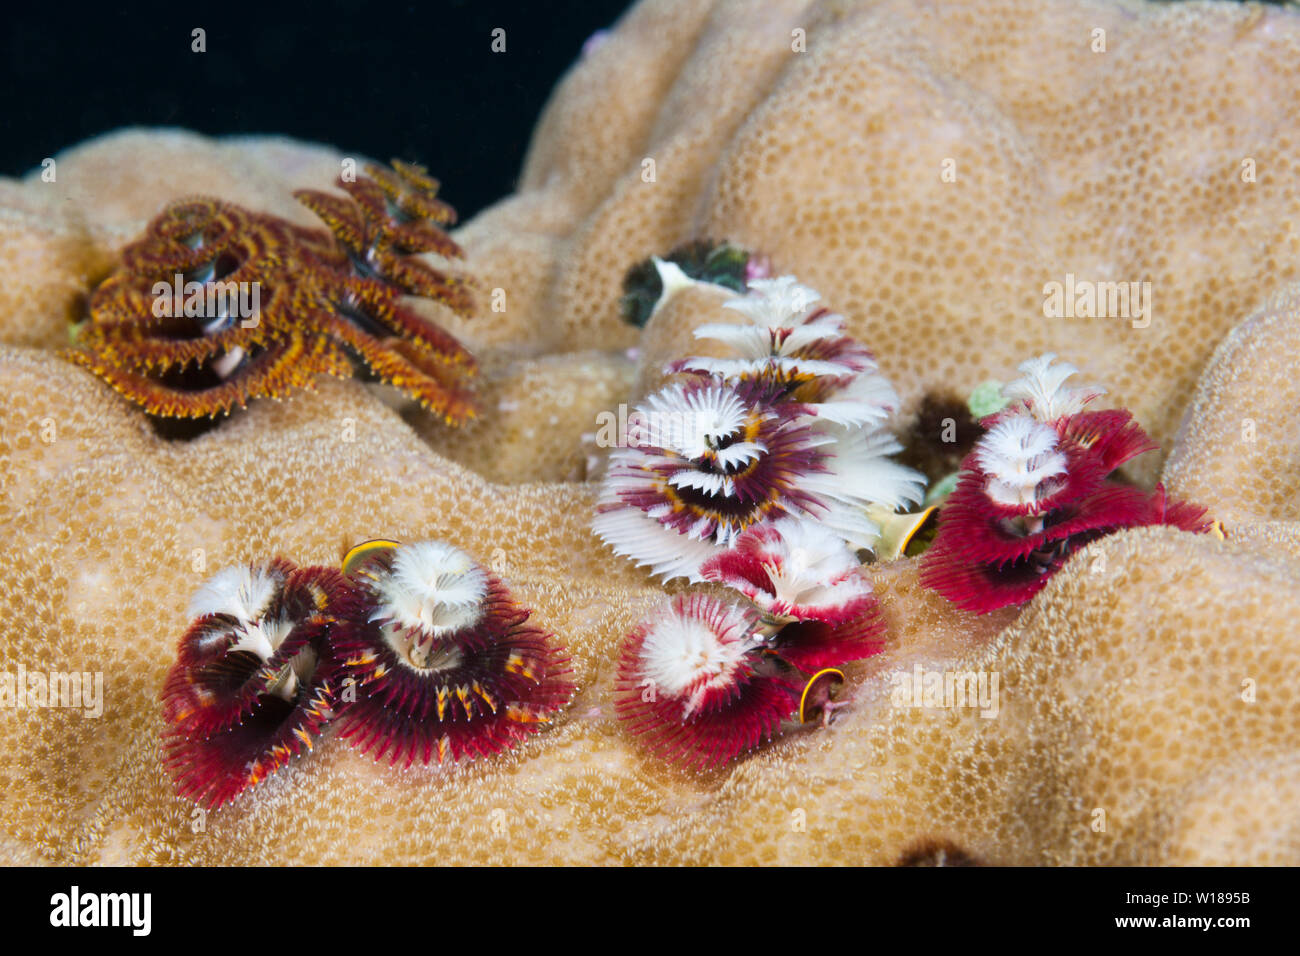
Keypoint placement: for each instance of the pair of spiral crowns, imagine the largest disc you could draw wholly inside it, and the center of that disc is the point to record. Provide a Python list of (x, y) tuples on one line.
[(168, 328), (415, 652)]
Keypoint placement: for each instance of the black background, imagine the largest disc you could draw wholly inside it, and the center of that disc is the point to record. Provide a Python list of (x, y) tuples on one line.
[(415, 81)]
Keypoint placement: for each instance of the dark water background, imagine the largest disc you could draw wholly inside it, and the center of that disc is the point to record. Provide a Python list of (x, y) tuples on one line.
[(417, 81)]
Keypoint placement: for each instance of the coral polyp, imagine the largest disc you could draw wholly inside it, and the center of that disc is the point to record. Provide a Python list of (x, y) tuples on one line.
[(216, 305), (1037, 487), (252, 686), (441, 660)]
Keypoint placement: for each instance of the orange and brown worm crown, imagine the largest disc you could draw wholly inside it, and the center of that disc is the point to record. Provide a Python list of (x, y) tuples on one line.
[(216, 305)]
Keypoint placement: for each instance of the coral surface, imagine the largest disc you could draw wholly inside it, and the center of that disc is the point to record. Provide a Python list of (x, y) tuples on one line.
[(1143, 711)]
